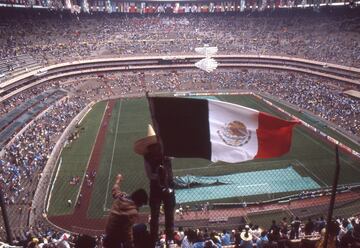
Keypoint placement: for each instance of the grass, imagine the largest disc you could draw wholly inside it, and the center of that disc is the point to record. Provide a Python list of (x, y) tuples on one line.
[(74, 162), (309, 155), (130, 120)]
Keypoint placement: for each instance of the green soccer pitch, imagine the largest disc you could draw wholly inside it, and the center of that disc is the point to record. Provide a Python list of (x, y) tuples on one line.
[(310, 156)]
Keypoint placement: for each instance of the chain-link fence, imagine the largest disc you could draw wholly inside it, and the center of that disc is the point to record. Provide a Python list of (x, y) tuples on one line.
[(281, 195), (263, 195)]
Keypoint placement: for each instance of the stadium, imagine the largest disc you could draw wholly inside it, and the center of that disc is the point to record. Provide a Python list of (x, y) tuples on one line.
[(78, 84)]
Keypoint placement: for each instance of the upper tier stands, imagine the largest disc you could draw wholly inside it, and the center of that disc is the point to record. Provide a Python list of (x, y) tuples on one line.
[(329, 36), (13, 66)]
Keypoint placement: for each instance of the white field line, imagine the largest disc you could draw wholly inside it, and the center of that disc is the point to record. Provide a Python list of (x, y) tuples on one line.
[(311, 173), (112, 158), (92, 150), (252, 185), (81, 120), (53, 184)]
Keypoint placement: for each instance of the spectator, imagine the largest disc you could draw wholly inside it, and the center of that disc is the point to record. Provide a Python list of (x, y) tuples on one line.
[(333, 230), (215, 239), (274, 232), (225, 238), (263, 240), (85, 241), (189, 238), (141, 236), (320, 224), (295, 228), (309, 227), (123, 214), (200, 240), (246, 238), (284, 226)]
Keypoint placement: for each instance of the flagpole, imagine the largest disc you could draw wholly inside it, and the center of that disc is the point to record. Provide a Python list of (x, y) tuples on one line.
[(5, 217), (155, 124), (164, 163), (333, 195)]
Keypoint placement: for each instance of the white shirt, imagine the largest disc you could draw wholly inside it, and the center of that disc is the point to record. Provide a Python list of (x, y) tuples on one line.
[(185, 243)]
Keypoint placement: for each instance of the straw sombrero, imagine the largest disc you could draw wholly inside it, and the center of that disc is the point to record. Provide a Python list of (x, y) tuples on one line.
[(248, 238), (141, 145)]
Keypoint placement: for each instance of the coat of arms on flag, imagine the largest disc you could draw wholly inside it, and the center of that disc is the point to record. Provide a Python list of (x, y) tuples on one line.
[(234, 133)]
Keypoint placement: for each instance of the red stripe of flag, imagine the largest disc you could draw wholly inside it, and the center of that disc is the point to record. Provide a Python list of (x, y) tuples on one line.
[(274, 136)]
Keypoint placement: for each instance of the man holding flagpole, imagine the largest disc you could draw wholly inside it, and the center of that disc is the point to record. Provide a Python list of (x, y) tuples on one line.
[(159, 171)]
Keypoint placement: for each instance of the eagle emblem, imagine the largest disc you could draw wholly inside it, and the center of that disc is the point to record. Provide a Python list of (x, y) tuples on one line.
[(234, 133)]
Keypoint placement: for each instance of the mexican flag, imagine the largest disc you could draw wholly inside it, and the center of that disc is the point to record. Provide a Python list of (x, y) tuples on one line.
[(218, 131)]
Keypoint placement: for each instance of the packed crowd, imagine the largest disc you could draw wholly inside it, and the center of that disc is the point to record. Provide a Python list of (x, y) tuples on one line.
[(88, 87), (22, 162), (45, 236), (344, 232), (57, 37), (347, 231), (9, 104)]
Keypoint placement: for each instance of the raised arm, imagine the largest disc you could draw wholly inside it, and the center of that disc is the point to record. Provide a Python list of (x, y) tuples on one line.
[(116, 188)]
